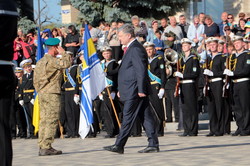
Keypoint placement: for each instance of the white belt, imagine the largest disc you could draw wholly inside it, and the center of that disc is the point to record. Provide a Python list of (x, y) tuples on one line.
[(215, 79), (240, 80), (2, 62), (186, 81)]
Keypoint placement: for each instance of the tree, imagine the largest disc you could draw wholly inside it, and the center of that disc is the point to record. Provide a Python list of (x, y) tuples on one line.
[(94, 10)]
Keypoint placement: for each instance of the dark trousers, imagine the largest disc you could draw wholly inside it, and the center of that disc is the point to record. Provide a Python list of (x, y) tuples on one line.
[(241, 95), (138, 107), (189, 108), (171, 103), (7, 85), (29, 112), (116, 52), (156, 106), (109, 119), (216, 108), (72, 113), (20, 120), (227, 115)]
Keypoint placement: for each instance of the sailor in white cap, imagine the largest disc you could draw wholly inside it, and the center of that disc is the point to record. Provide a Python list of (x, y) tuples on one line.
[(239, 73), (157, 75), (188, 72)]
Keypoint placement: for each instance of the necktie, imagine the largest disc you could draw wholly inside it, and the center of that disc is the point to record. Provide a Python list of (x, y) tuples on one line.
[(125, 49)]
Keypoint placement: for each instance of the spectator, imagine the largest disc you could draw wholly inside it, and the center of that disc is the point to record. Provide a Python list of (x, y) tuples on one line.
[(120, 23), (223, 23), (184, 25), (195, 32), (202, 17), (72, 40), (211, 28), (56, 33), (140, 29), (247, 30), (151, 32), (242, 16), (164, 24), (18, 51), (173, 27), (231, 23), (114, 42), (102, 36), (240, 30), (228, 32), (159, 44)]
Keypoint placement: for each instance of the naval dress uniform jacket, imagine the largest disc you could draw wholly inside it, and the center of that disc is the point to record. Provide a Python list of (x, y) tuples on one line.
[(191, 70)]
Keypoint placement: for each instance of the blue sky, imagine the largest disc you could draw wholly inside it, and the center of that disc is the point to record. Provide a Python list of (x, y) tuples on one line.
[(54, 9)]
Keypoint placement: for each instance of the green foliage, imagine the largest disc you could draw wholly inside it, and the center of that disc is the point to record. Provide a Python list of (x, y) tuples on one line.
[(95, 10), (25, 24)]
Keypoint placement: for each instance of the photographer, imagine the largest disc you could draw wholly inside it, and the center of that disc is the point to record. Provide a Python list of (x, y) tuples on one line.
[(140, 29)]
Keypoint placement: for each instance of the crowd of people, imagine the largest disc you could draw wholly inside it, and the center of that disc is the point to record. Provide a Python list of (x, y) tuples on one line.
[(188, 64)]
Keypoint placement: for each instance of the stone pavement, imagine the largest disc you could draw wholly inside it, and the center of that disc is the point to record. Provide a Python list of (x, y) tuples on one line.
[(174, 150)]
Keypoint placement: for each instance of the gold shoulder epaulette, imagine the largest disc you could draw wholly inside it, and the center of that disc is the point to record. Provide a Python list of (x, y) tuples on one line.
[(160, 57), (223, 55), (195, 57)]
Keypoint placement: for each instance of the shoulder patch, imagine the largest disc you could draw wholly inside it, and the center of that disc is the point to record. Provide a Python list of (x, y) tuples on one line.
[(160, 57), (194, 69), (248, 61), (161, 66)]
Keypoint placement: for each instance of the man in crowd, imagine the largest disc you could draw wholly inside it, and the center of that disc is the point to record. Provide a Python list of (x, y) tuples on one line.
[(164, 24), (134, 90), (184, 25), (211, 28), (47, 82), (223, 23)]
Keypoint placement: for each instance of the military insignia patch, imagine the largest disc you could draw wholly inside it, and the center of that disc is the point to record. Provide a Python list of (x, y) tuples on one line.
[(162, 66), (194, 69), (248, 61)]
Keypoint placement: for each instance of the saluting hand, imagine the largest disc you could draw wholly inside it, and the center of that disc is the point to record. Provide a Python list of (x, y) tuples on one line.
[(60, 50), (141, 94)]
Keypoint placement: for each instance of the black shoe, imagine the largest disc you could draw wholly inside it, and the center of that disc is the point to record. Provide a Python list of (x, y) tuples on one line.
[(244, 134), (109, 136), (136, 135), (68, 136), (193, 135), (149, 150), (237, 132), (183, 135), (114, 148), (210, 135)]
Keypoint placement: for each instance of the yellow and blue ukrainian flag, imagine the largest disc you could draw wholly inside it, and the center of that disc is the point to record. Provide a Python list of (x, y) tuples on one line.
[(93, 83)]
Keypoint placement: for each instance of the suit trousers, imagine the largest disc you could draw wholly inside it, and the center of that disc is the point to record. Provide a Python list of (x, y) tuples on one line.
[(137, 107)]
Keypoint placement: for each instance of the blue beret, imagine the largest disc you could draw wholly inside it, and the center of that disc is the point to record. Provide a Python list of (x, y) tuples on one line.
[(52, 41)]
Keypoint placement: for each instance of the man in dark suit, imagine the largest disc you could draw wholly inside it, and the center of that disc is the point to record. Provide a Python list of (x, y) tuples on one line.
[(134, 88)]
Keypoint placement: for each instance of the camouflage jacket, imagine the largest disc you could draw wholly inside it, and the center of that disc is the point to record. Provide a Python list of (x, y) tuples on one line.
[(49, 72)]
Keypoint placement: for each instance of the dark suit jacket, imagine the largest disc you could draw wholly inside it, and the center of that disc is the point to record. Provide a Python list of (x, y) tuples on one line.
[(133, 76)]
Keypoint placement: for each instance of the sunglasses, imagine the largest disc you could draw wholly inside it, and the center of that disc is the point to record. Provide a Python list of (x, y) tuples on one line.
[(230, 18)]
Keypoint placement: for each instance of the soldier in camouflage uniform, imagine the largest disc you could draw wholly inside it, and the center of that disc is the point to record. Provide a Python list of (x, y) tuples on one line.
[(47, 82)]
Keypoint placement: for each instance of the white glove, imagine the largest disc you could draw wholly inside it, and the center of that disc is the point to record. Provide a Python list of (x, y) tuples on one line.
[(101, 97), (228, 72), (76, 99), (21, 102), (112, 94), (32, 101), (208, 72), (161, 93), (119, 62), (178, 74)]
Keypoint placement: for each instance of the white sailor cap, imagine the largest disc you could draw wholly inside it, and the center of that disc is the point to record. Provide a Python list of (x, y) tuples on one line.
[(235, 38), (106, 48), (221, 42), (212, 39), (18, 70), (186, 40), (246, 40), (33, 66), (148, 44), (25, 62)]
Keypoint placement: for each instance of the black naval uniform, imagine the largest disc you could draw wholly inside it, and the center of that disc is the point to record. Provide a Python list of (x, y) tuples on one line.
[(214, 99), (71, 109), (156, 71), (108, 115), (188, 89), (27, 94), (241, 92)]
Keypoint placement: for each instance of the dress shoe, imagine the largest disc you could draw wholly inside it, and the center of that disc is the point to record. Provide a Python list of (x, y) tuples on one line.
[(68, 136), (48, 152), (149, 150), (210, 135), (136, 135), (183, 135), (237, 132), (244, 134), (114, 148), (109, 136)]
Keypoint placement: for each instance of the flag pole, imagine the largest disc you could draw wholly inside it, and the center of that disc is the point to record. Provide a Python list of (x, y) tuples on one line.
[(113, 106)]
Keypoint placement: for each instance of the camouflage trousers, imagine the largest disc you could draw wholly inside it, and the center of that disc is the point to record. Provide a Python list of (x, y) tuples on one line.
[(49, 116)]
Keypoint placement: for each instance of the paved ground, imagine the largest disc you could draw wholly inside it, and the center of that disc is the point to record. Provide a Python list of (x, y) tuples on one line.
[(174, 150)]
